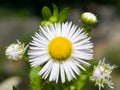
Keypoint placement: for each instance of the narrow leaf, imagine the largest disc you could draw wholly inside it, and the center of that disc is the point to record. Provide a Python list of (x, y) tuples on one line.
[(35, 78), (55, 10), (63, 14), (46, 13)]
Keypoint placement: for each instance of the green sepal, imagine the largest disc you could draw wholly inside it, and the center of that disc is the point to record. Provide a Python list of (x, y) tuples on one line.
[(46, 13), (35, 78), (15, 88), (63, 14)]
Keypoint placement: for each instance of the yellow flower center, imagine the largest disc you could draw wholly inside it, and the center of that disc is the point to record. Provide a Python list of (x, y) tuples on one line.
[(60, 48)]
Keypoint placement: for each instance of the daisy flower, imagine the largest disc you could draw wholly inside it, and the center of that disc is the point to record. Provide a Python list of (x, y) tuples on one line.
[(15, 51), (102, 74), (61, 49)]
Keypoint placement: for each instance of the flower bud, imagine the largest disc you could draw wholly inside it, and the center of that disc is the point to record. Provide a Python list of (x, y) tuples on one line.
[(53, 19), (43, 23), (88, 18), (102, 74), (15, 51)]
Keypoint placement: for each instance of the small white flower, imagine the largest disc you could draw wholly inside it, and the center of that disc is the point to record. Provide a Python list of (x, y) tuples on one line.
[(61, 49), (15, 51), (89, 18), (102, 74)]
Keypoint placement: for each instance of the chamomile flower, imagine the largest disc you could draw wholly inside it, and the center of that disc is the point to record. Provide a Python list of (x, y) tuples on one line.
[(15, 51), (61, 49), (102, 74)]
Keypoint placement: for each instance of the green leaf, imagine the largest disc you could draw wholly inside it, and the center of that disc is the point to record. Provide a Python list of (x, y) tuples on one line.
[(46, 13), (55, 10), (82, 81), (15, 88), (63, 14), (35, 78), (79, 83)]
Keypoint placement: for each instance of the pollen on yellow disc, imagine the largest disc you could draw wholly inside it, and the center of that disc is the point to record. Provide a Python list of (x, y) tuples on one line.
[(60, 48)]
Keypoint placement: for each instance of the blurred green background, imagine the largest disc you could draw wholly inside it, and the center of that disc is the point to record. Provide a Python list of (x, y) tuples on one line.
[(19, 19)]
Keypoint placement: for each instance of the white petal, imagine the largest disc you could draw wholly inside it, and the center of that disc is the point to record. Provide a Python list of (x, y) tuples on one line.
[(66, 29), (67, 71), (72, 31), (39, 61), (62, 73), (70, 69), (51, 35), (47, 72), (38, 40), (63, 29), (74, 65), (37, 48), (48, 66), (58, 29), (85, 41), (38, 44), (84, 46), (53, 30), (55, 72), (82, 55), (37, 53), (40, 36), (82, 61), (78, 36)]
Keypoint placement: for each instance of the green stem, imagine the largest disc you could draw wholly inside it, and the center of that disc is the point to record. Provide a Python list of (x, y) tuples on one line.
[(25, 58), (87, 30)]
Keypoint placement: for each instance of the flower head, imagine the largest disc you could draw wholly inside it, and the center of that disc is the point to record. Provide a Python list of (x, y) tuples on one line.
[(102, 74), (61, 49), (15, 51), (89, 18)]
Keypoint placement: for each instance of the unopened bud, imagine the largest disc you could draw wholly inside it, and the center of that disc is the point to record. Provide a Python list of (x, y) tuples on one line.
[(53, 19), (43, 23), (15, 51), (89, 18)]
